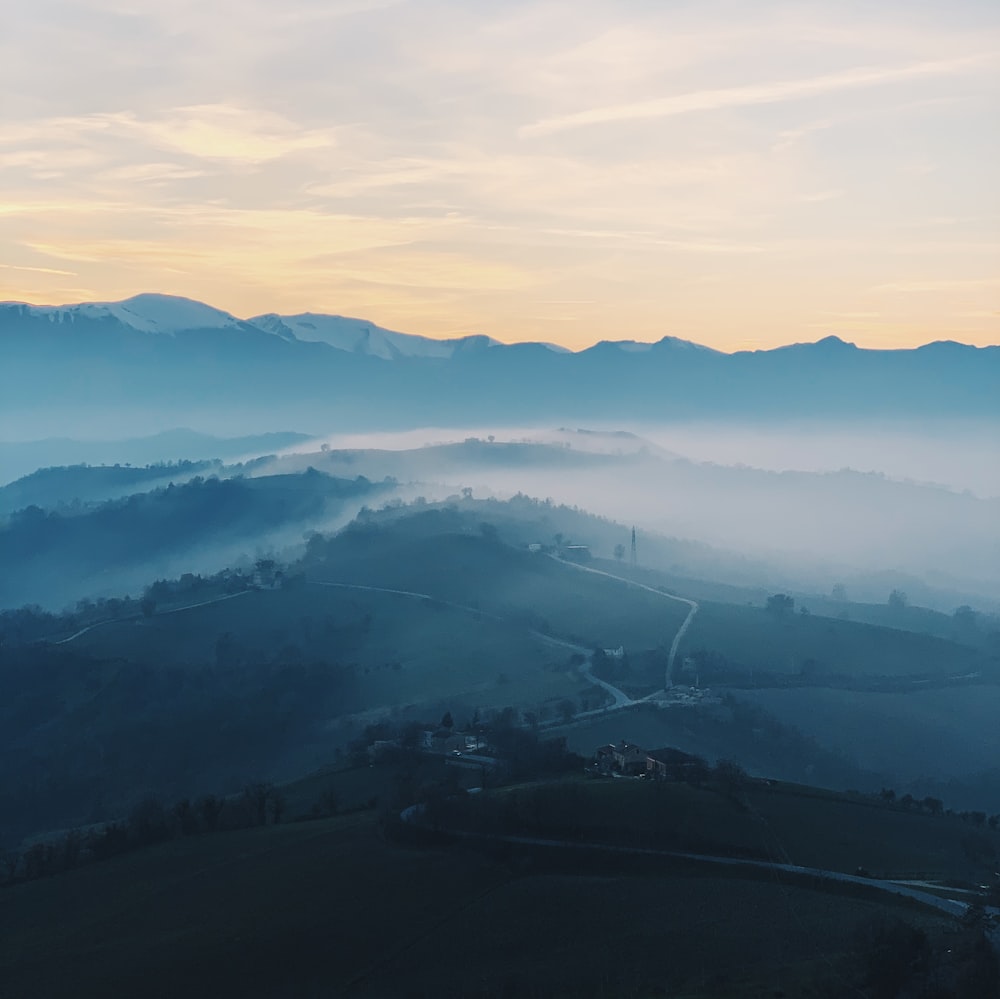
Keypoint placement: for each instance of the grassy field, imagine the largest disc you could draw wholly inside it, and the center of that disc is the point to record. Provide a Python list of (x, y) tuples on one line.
[(784, 823), (357, 787), (912, 618), (540, 591), (931, 733), (405, 650), (329, 908), (750, 638), (844, 832)]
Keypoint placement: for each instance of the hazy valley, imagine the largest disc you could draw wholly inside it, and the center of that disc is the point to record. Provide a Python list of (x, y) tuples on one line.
[(239, 631)]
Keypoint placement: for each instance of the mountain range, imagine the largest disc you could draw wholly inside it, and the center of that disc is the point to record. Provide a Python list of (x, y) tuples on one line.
[(191, 363)]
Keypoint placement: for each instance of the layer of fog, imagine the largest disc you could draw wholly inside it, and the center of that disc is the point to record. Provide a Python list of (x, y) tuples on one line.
[(58, 592), (960, 455), (803, 509), (776, 493)]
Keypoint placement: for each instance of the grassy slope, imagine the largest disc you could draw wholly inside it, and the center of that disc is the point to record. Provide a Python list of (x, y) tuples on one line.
[(506, 581), (841, 832), (754, 639), (786, 823), (442, 651), (923, 733), (328, 908)]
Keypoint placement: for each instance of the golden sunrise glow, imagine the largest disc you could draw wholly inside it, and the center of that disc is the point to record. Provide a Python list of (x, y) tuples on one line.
[(737, 175)]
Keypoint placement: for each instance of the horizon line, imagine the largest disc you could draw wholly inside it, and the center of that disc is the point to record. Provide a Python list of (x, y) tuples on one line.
[(460, 335)]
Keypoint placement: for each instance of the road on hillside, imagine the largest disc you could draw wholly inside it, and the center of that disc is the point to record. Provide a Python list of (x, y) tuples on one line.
[(137, 617), (685, 624), (621, 699), (952, 907), (410, 593)]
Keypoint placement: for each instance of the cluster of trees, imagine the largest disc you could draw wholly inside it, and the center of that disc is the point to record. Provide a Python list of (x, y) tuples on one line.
[(638, 672), (58, 553), (780, 604), (524, 752), (79, 734), (935, 806), (898, 959), (148, 822), (72, 489)]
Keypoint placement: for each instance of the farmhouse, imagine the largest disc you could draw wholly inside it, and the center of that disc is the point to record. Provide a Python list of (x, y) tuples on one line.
[(623, 758), (672, 764)]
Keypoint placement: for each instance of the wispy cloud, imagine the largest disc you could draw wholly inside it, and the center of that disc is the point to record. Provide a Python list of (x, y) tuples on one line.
[(333, 155), (947, 285), (37, 270), (751, 94), (221, 132)]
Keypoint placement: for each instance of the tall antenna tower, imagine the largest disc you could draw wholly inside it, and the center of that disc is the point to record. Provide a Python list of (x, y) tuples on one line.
[(634, 560)]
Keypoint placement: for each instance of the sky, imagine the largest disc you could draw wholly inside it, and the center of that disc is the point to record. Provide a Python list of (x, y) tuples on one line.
[(738, 174)]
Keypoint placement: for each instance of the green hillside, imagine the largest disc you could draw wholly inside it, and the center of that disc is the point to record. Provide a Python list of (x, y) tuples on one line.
[(428, 555), (729, 640)]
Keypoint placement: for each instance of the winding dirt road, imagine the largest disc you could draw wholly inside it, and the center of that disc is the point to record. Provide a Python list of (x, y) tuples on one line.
[(685, 624)]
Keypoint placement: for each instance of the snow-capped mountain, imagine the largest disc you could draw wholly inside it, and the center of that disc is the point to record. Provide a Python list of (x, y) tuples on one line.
[(643, 347), (147, 313), (60, 366), (362, 337)]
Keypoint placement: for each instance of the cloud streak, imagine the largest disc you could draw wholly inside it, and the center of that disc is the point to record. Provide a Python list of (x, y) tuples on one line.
[(753, 94)]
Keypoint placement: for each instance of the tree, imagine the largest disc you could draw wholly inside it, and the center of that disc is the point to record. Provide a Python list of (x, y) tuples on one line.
[(147, 605), (447, 721), (780, 604), (276, 805), (898, 600), (964, 616), (619, 552), (256, 797)]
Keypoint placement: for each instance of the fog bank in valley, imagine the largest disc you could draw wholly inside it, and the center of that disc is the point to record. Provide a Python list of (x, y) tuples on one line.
[(885, 505)]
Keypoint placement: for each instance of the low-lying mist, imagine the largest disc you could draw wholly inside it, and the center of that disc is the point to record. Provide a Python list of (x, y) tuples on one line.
[(884, 506), (872, 507)]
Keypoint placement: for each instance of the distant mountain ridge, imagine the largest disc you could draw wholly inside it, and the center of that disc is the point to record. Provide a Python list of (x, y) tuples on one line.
[(362, 337), (169, 357)]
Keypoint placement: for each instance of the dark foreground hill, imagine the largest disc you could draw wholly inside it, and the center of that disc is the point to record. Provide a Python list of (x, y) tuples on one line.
[(335, 907)]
